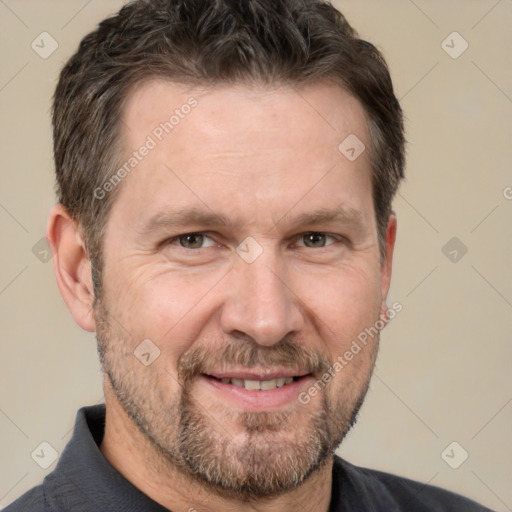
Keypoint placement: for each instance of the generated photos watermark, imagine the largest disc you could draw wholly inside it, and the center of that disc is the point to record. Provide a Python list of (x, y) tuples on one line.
[(156, 136), (357, 346)]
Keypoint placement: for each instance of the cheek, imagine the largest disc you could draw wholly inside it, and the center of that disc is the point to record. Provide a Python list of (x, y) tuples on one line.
[(344, 304), (169, 308)]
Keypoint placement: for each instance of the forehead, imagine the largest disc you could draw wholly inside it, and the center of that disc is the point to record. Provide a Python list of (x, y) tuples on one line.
[(273, 145), (325, 107)]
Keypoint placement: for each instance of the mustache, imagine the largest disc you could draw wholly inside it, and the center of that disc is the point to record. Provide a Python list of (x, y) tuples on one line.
[(247, 353)]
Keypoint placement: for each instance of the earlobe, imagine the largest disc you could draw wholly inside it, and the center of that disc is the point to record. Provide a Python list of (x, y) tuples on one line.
[(72, 266)]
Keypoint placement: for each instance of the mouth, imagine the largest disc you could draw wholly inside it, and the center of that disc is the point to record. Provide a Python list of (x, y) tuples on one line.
[(257, 390), (255, 384)]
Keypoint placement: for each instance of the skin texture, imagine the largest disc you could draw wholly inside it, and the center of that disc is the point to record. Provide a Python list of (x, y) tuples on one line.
[(260, 163)]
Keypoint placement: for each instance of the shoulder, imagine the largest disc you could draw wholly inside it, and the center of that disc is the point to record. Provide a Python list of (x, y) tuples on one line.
[(31, 501), (384, 491), (58, 491)]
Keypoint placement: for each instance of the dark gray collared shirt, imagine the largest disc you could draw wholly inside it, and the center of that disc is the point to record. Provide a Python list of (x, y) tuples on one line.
[(84, 481)]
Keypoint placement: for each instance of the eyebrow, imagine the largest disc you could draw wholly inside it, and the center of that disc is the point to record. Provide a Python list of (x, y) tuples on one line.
[(338, 215), (185, 217), (208, 219)]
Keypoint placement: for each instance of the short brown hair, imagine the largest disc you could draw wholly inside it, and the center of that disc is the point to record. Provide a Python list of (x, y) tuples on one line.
[(204, 42)]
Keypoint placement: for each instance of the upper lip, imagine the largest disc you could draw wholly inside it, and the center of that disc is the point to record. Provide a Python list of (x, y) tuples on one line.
[(262, 374)]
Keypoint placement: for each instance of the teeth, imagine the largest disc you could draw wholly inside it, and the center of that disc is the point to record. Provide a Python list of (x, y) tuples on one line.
[(268, 384), (265, 385), (252, 384)]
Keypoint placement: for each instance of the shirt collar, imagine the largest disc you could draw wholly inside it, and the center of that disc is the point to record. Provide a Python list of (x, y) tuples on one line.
[(84, 478)]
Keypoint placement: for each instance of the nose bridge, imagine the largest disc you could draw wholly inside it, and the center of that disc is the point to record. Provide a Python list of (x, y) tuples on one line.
[(259, 303)]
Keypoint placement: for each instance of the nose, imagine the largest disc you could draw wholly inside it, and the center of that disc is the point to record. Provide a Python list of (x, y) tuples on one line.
[(260, 302)]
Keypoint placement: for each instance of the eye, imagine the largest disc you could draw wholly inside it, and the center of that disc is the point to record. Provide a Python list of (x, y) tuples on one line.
[(315, 240), (194, 241)]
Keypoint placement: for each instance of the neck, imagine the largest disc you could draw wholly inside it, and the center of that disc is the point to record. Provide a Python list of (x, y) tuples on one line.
[(134, 457)]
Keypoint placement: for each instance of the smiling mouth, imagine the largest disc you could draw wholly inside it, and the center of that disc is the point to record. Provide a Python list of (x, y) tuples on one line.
[(257, 385)]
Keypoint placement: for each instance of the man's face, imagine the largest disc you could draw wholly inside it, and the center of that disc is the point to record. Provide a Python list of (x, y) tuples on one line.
[(244, 246)]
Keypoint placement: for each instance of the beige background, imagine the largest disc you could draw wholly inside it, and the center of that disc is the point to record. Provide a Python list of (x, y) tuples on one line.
[(444, 371)]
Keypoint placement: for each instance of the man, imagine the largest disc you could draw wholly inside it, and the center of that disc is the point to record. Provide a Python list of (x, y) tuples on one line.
[(225, 174)]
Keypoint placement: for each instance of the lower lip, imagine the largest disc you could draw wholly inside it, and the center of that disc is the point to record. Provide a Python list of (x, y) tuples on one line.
[(258, 400)]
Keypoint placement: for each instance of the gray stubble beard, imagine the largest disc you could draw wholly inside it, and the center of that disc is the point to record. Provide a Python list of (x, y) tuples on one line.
[(186, 439)]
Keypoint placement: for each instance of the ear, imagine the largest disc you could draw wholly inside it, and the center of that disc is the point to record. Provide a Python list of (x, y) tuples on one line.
[(387, 263), (72, 266)]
